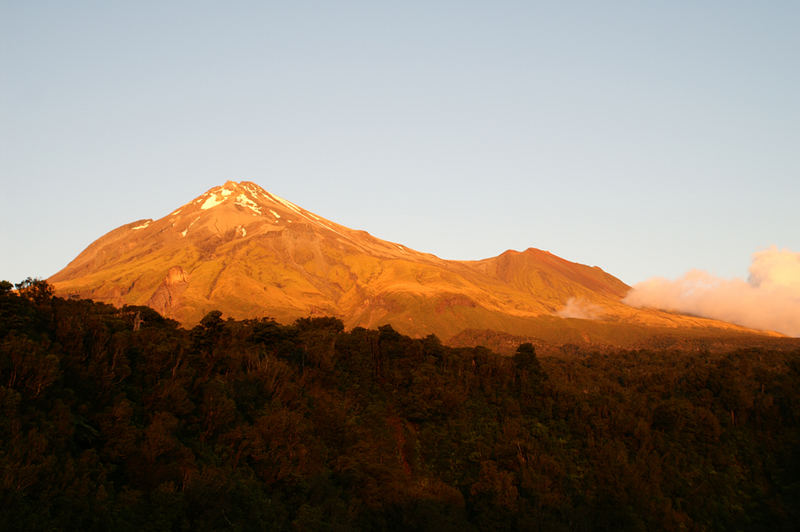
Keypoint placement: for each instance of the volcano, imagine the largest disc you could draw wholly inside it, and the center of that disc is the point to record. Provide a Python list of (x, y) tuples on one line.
[(249, 253)]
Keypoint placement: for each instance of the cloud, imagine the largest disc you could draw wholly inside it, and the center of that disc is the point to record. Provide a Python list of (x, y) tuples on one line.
[(577, 308), (769, 299)]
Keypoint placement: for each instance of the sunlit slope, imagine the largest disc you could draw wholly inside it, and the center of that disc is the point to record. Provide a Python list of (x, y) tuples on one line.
[(239, 249)]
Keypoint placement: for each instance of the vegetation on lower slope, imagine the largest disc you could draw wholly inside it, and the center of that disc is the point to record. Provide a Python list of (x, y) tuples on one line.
[(117, 419), (568, 338)]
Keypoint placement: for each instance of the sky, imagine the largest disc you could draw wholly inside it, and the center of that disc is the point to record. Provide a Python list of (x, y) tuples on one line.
[(648, 138)]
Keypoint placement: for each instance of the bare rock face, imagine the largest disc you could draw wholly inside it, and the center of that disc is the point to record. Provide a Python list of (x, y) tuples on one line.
[(176, 275), (249, 253), (167, 295)]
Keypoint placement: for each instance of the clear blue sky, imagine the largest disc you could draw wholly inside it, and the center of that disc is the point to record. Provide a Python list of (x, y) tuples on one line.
[(646, 138)]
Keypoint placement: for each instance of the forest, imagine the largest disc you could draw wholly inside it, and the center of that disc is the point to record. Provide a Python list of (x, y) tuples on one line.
[(119, 419)]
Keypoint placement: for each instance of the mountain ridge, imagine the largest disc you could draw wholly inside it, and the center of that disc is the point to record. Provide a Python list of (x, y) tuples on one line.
[(249, 253)]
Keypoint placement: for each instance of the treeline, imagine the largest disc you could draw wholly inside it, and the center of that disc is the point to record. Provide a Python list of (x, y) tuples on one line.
[(118, 419)]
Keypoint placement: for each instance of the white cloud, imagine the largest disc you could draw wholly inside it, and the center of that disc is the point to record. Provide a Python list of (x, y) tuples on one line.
[(578, 308), (769, 299)]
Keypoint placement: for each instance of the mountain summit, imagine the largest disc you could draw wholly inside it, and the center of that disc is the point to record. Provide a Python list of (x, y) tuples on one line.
[(249, 253)]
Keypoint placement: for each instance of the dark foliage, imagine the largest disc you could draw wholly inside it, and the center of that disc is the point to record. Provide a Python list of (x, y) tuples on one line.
[(117, 419)]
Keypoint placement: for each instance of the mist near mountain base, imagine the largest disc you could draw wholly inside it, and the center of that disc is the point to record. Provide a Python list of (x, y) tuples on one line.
[(580, 309), (769, 299)]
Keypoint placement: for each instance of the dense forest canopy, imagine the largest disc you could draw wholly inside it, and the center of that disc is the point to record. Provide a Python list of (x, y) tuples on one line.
[(118, 419)]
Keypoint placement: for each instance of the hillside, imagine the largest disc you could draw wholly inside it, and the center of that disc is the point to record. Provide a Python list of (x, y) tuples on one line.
[(248, 253)]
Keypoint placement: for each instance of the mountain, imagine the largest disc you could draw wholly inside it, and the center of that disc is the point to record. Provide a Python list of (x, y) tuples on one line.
[(249, 253)]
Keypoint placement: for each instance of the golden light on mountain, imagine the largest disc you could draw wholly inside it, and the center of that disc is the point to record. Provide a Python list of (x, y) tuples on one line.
[(248, 253)]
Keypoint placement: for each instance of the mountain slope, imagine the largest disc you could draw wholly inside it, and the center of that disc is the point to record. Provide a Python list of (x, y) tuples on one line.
[(239, 249)]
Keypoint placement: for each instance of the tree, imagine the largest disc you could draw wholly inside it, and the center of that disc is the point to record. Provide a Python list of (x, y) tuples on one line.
[(5, 288), (212, 320), (525, 358), (36, 290)]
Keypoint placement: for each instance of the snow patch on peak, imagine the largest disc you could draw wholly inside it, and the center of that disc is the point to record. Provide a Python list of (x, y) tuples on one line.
[(302, 212), (246, 202), (212, 201), (275, 214), (183, 233), (215, 196), (148, 222), (286, 203), (251, 188)]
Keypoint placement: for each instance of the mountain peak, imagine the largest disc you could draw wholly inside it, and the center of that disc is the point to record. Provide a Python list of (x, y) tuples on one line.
[(245, 210), (244, 197), (245, 193)]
